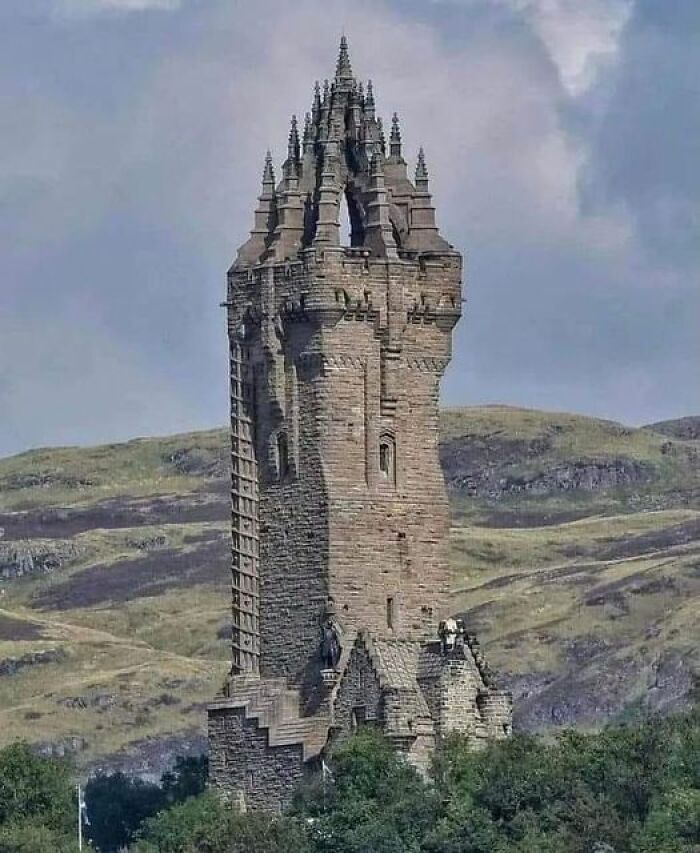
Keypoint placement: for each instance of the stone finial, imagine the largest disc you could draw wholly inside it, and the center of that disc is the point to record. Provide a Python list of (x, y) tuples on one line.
[(380, 135), (316, 104), (379, 236), (421, 172), (293, 141), (424, 235), (326, 92), (395, 138), (369, 100), (343, 69), (265, 219), (327, 223), (421, 168), (268, 179), (308, 133)]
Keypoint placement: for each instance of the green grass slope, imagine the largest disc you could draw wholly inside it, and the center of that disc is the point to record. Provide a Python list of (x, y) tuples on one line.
[(576, 552)]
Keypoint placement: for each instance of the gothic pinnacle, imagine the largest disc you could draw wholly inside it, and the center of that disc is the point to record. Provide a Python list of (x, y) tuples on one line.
[(308, 137), (380, 134), (421, 168), (316, 106), (343, 69), (395, 138), (376, 166), (293, 143), (268, 171), (369, 100), (325, 92)]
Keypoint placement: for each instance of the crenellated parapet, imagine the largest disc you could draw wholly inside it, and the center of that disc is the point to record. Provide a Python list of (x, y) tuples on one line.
[(351, 283)]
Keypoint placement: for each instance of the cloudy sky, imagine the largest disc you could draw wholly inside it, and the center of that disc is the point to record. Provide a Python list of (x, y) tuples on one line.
[(562, 139)]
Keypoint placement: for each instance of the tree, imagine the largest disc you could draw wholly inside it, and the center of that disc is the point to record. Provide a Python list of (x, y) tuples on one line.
[(37, 807), (34, 787), (373, 803), (205, 824), (117, 805), (188, 778), (673, 825), (32, 836)]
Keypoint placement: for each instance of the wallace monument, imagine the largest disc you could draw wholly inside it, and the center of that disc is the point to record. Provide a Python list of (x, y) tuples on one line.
[(340, 519)]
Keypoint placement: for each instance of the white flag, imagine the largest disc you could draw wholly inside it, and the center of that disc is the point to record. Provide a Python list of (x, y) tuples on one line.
[(82, 807)]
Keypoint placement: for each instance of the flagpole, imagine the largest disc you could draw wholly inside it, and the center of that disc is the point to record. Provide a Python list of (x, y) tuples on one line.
[(80, 819)]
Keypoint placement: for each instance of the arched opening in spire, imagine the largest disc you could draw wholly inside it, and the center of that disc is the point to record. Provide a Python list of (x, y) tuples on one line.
[(352, 229), (345, 222)]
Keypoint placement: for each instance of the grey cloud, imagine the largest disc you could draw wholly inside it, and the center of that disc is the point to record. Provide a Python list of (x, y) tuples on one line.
[(131, 154), (644, 151)]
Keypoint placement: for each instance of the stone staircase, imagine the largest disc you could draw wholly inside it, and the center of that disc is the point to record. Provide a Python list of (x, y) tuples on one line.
[(272, 706)]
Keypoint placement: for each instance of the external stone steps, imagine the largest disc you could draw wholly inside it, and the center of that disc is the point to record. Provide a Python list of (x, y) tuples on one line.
[(311, 732), (273, 707)]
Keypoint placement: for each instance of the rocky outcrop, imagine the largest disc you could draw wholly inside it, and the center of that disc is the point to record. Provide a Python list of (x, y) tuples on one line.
[(609, 687), (465, 476), (18, 559), (151, 757), (687, 429), (11, 666), (66, 746)]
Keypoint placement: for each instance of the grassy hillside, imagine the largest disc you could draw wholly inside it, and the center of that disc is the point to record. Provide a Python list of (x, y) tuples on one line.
[(576, 549)]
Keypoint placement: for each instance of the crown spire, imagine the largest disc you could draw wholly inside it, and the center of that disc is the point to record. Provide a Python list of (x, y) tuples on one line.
[(343, 69)]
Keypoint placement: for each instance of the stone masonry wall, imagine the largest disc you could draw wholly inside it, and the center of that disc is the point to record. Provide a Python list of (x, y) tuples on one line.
[(459, 710), (358, 700), (244, 768), (348, 352), (294, 535), (496, 708)]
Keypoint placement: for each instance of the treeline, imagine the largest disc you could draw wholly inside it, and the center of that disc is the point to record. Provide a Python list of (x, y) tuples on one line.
[(628, 789)]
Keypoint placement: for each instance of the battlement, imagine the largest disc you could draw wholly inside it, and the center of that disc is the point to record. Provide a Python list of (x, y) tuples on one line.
[(349, 282)]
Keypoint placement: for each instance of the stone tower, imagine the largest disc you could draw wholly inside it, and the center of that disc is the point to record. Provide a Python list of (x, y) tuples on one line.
[(340, 518)]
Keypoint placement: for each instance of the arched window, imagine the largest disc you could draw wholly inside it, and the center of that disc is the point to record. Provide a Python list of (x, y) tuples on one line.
[(282, 455), (387, 458)]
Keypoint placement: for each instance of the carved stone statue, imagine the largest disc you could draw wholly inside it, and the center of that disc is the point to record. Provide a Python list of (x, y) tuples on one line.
[(330, 644), (447, 631), (452, 634)]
